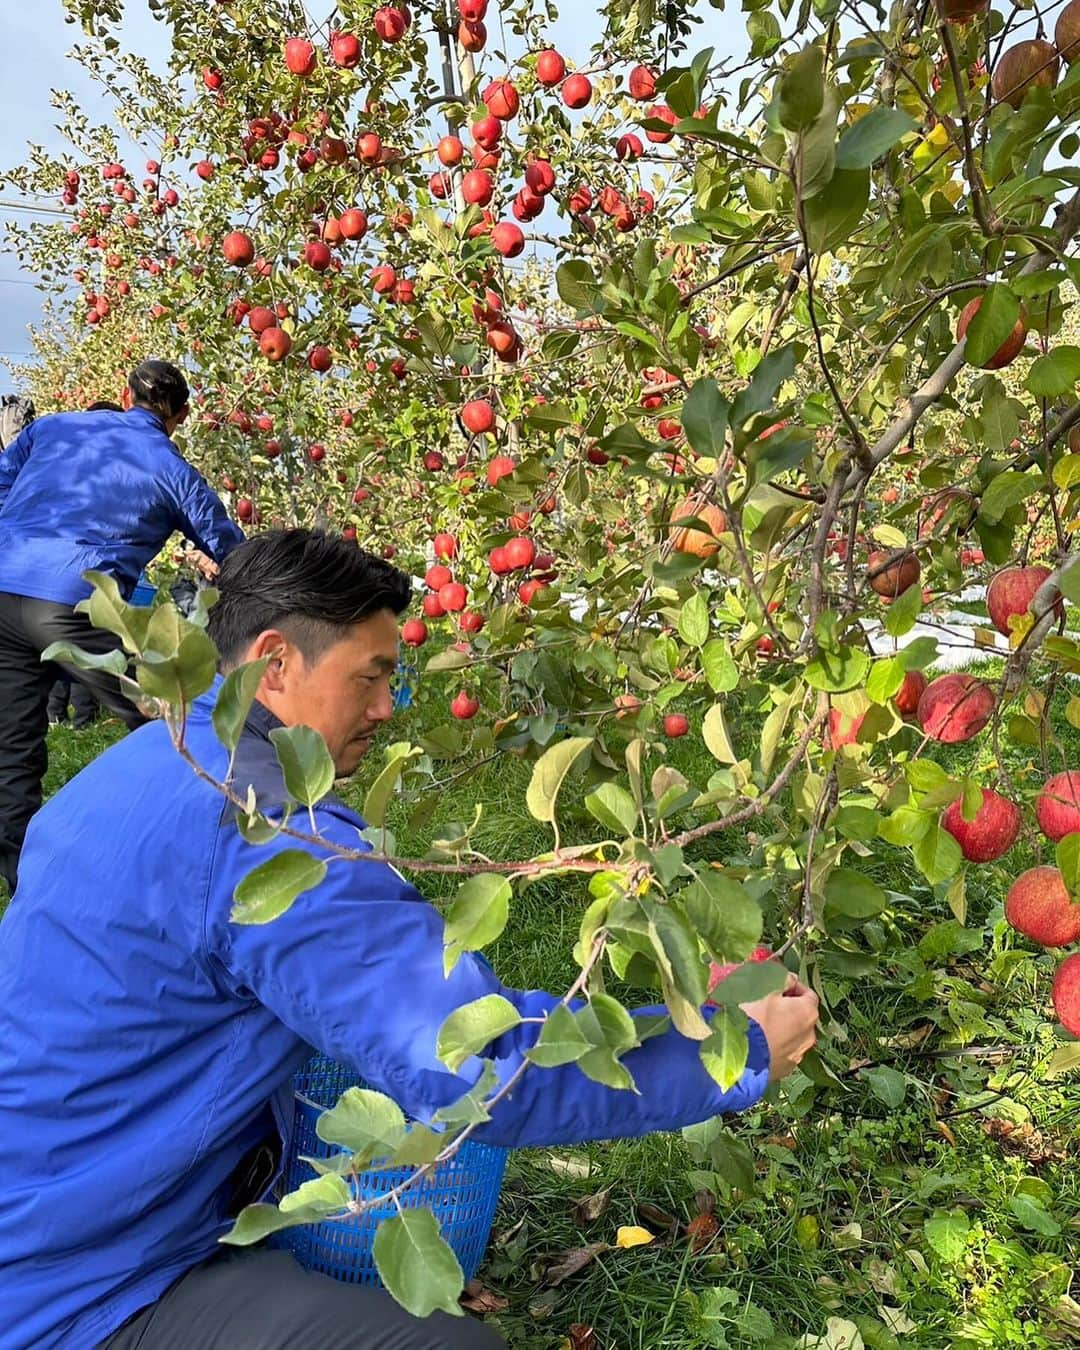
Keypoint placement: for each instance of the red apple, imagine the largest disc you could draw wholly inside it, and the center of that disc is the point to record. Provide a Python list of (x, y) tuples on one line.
[(414, 632), (1011, 591), (437, 576), (498, 468), (238, 248), (391, 22), (383, 279), (1022, 67), (660, 112), (501, 99), (676, 725), (445, 546), (519, 552), (450, 151), (317, 255), (477, 187), (1009, 350), (470, 621), (550, 68), (955, 708), (478, 416), (910, 692), (275, 344), (891, 575), (1067, 32), (642, 84), (1040, 906), (993, 831), (353, 223), (1057, 807), (300, 57), (453, 597), (508, 239), (260, 319), (345, 49), (464, 707), (320, 359), (432, 606), (843, 729), (577, 91), (1066, 994)]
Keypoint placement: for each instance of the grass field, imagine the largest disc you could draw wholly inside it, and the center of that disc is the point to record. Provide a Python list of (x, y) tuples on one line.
[(931, 1199)]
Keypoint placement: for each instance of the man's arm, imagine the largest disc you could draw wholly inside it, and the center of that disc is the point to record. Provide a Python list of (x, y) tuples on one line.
[(13, 458), (203, 518), (355, 967)]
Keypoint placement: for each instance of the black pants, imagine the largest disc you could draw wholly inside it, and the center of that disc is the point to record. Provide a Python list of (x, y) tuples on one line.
[(68, 690), (27, 627), (262, 1300)]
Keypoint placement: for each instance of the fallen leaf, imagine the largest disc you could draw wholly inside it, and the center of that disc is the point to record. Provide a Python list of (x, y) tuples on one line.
[(787, 1141), (577, 1167), (504, 1238), (543, 1305), (701, 1231), (634, 1237), (569, 1263), (1024, 1140), (477, 1299), (898, 1322), (588, 1209), (704, 1202), (945, 1132), (581, 1337), (656, 1217)]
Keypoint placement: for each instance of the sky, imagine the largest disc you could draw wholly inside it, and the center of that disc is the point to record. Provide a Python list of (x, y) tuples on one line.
[(33, 62)]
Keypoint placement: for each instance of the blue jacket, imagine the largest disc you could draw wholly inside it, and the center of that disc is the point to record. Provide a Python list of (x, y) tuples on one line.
[(148, 1043), (98, 490)]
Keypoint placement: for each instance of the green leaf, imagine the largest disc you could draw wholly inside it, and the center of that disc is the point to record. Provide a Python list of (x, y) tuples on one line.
[(1067, 857), (549, 773), (802, 89), (1055, 374), (1034, 1215), (714, 732), (683, 974), (416, 1266), (719, 666), (727, 919), (884, 681), (694, 620), (325, 1194), (853, 895), (115, 662), (726, 1049), (576, 285), (107, 609), (471, 1027), (749, 982), (1005, 490), (256, 1222), (887, 1085), (769, 374), (947, 1234), (902, 613), (561, 1040), (937, 854), (611, 1031), (381, 792), (704, 418), (268, 891), (833, 214), (857, 822), (906, 826), (305, 763), (477, 916), (613, 807), (838, 670), (363, 1121), (868, 139), (993, 322), (234, 700), (183, 676)]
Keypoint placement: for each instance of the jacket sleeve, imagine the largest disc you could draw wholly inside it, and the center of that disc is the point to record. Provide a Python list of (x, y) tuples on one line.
[(355, 967), (203, 518), (13, 458)]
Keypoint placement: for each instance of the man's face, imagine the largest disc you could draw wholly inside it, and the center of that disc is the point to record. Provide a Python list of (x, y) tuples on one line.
[(345, 695)]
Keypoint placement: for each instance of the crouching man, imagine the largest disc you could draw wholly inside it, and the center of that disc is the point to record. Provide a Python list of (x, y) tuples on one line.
[(149, 1044)]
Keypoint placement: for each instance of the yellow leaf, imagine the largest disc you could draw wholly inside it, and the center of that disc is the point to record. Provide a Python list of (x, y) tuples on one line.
[(633, 1237)]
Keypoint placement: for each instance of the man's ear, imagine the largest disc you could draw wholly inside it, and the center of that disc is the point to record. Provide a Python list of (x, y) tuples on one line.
[(182, 416), (125, 398), (273, 646)]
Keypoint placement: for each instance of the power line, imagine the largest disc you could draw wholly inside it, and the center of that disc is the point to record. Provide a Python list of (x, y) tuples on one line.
[(34, 210)]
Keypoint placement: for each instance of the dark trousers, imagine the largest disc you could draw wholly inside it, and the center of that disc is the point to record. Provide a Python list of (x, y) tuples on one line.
[(27, 627), (67, 690), (254, 1299)]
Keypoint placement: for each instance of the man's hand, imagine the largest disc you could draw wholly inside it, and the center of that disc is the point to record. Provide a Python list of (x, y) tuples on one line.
[(206, 566), (789, 1021)]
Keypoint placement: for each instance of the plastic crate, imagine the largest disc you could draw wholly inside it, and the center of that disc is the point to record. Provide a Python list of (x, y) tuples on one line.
[(462, 1193), (143, 594), (405, 677)]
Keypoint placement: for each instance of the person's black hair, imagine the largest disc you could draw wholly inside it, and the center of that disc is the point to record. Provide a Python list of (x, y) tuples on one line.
[(311, 585), (159, 386), (104, 405)]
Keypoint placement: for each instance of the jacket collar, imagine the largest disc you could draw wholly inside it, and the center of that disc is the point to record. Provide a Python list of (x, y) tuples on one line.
[(261, 720), (147, 417)]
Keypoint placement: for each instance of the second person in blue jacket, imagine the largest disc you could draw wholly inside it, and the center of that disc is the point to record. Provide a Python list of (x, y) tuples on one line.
[(81, 491)]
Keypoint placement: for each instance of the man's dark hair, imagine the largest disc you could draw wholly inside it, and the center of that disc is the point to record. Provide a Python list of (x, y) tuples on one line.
[(159, 386), (104, 405), (311, 585)]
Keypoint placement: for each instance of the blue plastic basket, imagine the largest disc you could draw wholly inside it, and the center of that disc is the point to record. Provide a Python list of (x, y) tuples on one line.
[(404, 679), (143, 594), (462, 1193)]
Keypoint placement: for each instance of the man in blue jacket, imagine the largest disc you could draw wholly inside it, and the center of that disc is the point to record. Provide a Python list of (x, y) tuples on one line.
[(100, 490), (150, 1042)]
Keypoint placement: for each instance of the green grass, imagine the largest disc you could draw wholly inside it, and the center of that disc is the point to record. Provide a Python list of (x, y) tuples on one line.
[(845, 1182)]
